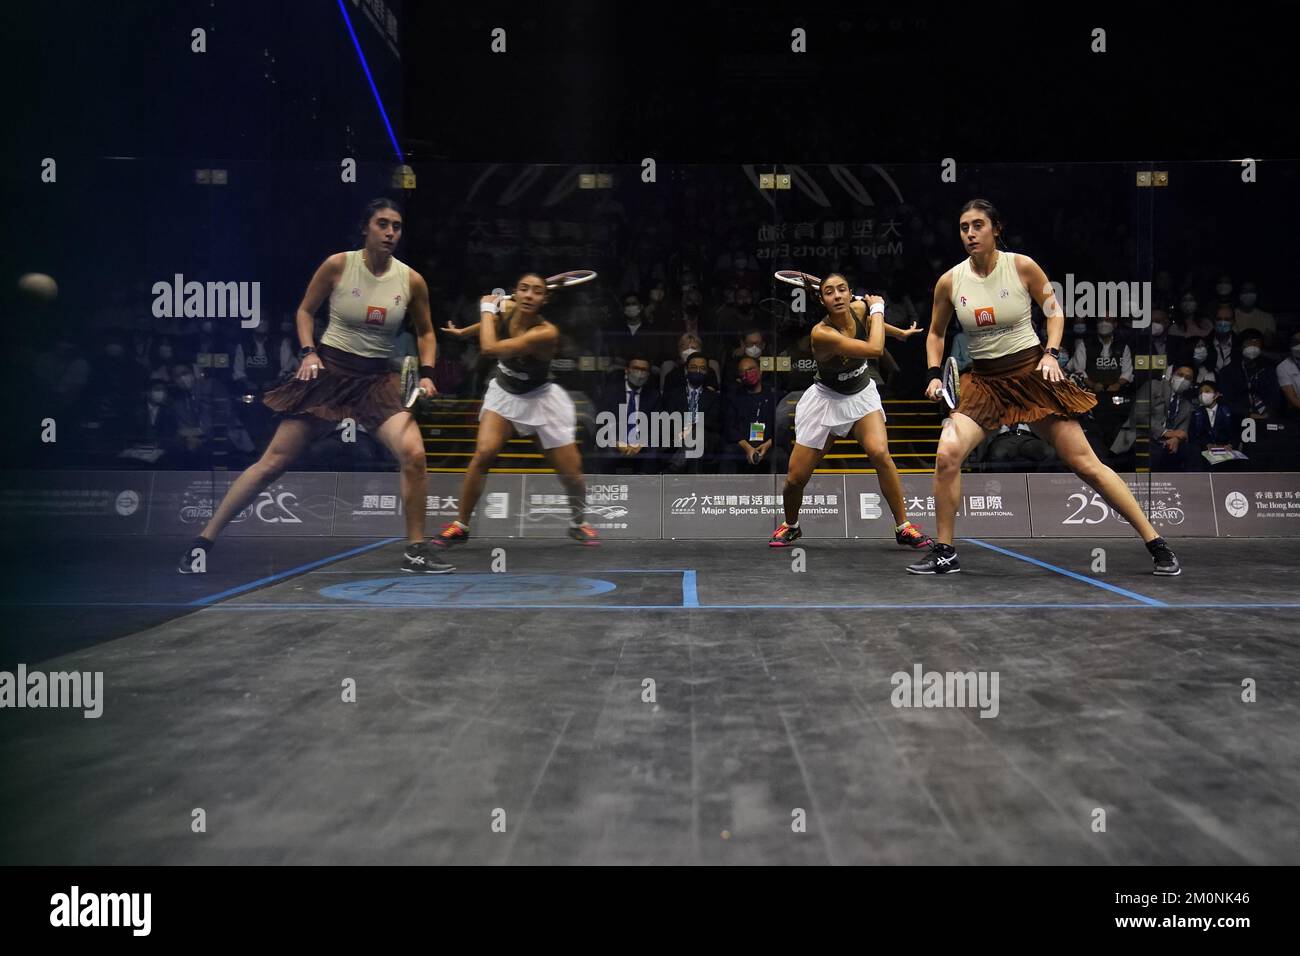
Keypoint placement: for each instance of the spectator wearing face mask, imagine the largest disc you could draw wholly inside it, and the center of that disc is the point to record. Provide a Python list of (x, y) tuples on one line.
[(633, 388), (1224, 347), (1249, 382), (629, 332), (750, 421), (1153, 340), (1288, 379), (1169, 404), (193, 414), (1249, 316), (751, 345), (688, 344), (154, 425), (701, 408), (743, 318), (1190, 325), (1214, 423), (1199, 358)]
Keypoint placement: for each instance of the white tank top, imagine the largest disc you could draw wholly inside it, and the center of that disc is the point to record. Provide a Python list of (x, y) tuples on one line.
[(366, 310), (995, 312)]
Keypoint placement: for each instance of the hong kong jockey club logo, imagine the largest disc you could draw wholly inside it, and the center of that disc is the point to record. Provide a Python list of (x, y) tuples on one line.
[(376, 314), (984, 316)]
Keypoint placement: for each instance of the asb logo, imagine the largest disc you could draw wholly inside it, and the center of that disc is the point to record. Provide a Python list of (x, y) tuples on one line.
[(376, 314), (984, 316)]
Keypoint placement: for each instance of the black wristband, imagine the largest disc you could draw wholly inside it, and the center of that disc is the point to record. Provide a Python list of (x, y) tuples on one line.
[(305, 351), (935, 373), (426, 371)]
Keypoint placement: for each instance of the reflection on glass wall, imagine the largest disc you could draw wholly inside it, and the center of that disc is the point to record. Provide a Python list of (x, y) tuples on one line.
[(177, 287)]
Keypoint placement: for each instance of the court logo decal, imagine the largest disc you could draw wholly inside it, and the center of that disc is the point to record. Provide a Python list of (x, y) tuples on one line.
[(1236, 504)]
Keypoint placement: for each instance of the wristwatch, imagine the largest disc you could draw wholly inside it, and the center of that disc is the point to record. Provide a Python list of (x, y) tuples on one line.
[(305, 351), (1055, 353)]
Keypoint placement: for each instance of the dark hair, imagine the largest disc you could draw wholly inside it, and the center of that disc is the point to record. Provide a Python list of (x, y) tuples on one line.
[(990, 210), (697, 355), (1252, 335), (525, 275), (373, 207)]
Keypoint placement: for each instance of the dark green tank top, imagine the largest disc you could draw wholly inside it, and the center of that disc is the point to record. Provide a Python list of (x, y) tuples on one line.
[(843, 374), (518, 374)]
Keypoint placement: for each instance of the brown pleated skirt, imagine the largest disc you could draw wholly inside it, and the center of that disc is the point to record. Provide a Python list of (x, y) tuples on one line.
[(1011, 391), (364, 389)]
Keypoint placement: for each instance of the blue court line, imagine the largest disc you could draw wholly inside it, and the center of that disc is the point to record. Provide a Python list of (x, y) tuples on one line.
[(1070, 574), (690, 597), (240, 589)]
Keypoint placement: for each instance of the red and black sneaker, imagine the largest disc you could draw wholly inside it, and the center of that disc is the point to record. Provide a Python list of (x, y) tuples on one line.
[(585, 535), (784, 536), (910, 536), (451, 535)]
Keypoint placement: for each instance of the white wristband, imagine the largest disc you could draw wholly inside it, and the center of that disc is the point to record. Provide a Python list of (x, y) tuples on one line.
[(488, 307), (877, 308)]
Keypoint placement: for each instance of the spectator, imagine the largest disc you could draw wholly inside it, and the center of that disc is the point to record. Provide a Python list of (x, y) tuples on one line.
[(1200, 361), (802, 366), (1250, 381), (1189, 324), (162, 359), (1214, 423), (256, 366), (750, 421), (1225, 340), (1250, 317), (1288, 379), (629, 333), (155, 433), (1108, 370), (752, 344), (634, 389), (1170, 409), (688, 344), (701, 409)]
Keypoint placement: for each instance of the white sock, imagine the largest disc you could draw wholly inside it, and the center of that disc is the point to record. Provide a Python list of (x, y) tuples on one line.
[(792, 524)]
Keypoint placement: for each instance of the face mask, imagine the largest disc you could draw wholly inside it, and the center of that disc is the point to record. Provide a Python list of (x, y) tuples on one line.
[(157, 396), (1080, 328), (1224, 289), (696, 378), (637, 379), (1295, 352), (750, 377), (1188, 307), (1200, 352), (165, 352), (1105, 328), (745, 303), (1157, 329), (1223, 328), (1179, 384), (1207, 398), (753, 351), (1247, 300), (687, 353), (1251, 352), (631, 311), (114, 351)]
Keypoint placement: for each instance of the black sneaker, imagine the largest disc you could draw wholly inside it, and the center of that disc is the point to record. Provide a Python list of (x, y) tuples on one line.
[(195, 558), (417, 560), (1166, 561), (942, 559)]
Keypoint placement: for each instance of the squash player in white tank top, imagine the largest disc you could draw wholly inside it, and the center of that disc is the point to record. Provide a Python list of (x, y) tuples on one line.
[(967, 290), (370, 292)]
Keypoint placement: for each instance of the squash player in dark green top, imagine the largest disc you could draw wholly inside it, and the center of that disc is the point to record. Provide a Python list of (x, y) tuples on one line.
[(843, 400), (522, 398)]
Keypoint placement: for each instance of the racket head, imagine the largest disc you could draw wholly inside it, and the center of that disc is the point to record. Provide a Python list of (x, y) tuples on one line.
[(561, 280), (410, 375), (795, 277), (950, 383)]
